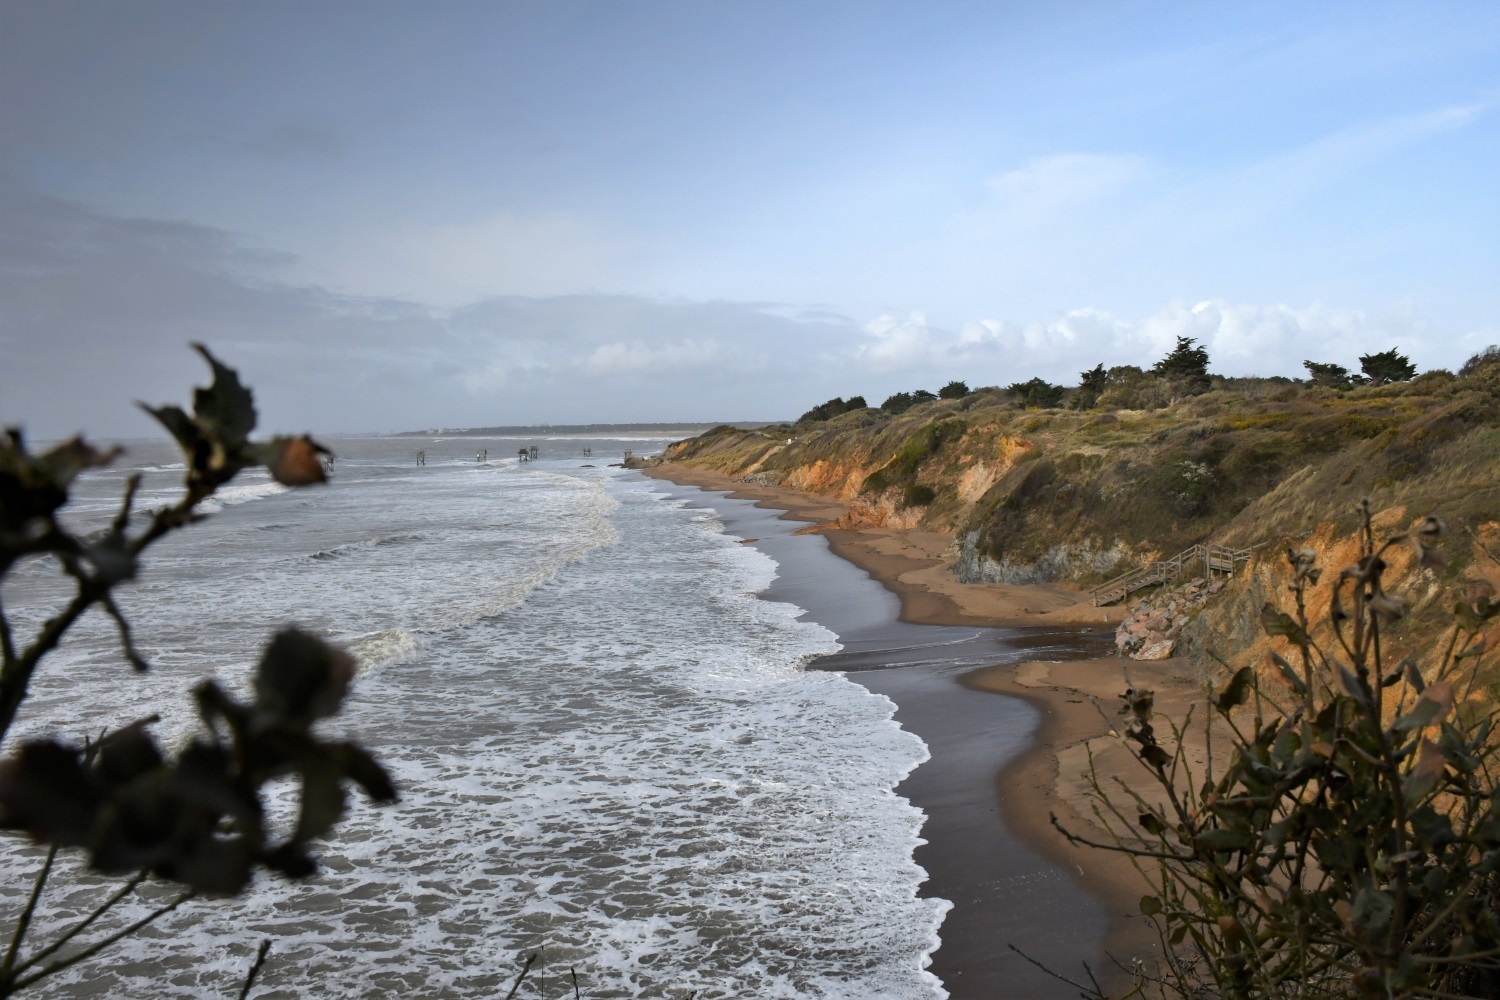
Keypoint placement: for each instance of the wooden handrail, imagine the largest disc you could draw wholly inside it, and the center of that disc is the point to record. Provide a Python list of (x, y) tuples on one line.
[(1162, 571)]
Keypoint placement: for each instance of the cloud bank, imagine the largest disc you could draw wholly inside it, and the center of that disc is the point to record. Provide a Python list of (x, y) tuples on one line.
[(96, 310)]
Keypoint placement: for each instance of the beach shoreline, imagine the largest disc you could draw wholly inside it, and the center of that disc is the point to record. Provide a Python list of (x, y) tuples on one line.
[(1075, 700)]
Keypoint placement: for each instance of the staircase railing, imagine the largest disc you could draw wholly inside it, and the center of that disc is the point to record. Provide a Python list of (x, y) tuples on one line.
[(1213, 558)]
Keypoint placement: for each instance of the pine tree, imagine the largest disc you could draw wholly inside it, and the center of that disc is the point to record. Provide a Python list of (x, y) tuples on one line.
[(1387, 366)]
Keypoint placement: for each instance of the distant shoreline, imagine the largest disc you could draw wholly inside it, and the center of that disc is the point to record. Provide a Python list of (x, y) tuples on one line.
[(541, 429)]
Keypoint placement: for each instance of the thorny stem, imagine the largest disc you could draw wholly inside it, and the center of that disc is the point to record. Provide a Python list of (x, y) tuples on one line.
[(522, 977), (23, 922), (99, 946), (260, 960), (85, 923), (15, 676)]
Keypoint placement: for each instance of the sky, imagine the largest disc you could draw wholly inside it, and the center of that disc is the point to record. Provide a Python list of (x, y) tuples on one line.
[(394, 216)]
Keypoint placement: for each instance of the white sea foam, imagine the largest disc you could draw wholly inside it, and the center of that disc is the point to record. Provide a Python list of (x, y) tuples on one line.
[(606, 746)]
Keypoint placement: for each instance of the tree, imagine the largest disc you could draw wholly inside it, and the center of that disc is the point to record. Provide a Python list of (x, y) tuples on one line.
[(833, 408), (196, 818), (1186, 365), (1036, 393), (953, 390), (1387, 366), (824, 411), (922, 396), (1487, 358), (1350, 847), (1091, 385), (898, 402), (1330, 375)]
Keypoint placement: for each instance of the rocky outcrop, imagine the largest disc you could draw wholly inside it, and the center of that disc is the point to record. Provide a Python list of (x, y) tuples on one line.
[(1060, 562), (1151, 629)]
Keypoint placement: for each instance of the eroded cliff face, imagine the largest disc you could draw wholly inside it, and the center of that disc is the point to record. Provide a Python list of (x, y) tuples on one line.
[(1080, 496), (1229, 629)]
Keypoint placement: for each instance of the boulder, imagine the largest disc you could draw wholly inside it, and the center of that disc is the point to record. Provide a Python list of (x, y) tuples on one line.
[(1156, 650)]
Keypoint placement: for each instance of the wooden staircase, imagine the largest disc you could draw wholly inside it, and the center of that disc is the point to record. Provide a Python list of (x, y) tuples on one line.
[(1212, 558)]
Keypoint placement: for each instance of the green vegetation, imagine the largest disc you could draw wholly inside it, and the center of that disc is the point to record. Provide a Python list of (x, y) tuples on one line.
[(833, 408), (953, 390), (1148, 469), (1091, 385), (1387, 366), (196, 818), (1036, 394), (1350, 844), (1185, 366)]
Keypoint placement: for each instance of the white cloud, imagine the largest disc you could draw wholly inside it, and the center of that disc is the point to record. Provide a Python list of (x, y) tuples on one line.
[(1241, 339)]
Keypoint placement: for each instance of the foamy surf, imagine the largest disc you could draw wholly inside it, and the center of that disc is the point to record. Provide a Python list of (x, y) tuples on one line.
[(607, 746)]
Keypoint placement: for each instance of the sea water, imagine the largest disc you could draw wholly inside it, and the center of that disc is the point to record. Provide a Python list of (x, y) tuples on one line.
[(607, 746)]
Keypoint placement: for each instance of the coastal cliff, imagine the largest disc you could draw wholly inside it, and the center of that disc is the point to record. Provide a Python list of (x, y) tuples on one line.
[(1077, 496)]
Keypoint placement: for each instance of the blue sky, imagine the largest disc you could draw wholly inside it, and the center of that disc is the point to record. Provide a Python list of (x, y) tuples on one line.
[(406, 215)]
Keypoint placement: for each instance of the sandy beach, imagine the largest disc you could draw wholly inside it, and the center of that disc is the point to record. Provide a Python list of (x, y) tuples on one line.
[(1056, 658)]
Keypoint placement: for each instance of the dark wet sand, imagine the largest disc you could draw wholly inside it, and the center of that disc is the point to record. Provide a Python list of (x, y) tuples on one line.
[(1003, 891)]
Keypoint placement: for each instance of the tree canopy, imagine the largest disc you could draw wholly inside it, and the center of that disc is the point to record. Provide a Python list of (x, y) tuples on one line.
[(1387, 366)]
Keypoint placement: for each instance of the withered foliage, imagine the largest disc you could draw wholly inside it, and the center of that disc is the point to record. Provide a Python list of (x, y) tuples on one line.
[(196, 817), (1350, 845)]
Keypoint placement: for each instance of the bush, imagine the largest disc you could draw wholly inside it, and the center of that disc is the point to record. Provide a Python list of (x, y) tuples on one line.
[(1351, 846), (1129, 388), (918, 495)]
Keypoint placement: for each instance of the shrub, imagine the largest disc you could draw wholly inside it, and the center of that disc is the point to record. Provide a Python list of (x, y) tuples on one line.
[(1351, 846), (1130, 388), (1487, 358), (918, 495)]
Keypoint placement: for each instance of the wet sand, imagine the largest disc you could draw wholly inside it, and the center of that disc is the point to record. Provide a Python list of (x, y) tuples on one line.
[(1000, 767)]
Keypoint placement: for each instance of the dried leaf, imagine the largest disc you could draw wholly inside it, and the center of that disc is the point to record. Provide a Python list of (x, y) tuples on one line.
[(1431, 708), (1155, 756), (1425, 773), (1237, 691), (301, 678), (45, 791), (1287, 674), (294, 461), (1280, 623), (226, 407)]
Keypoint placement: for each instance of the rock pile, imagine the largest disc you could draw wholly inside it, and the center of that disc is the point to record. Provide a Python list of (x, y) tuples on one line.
[(1150, 631)]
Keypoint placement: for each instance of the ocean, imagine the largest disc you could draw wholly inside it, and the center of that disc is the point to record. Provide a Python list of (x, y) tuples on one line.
[(608, 747)]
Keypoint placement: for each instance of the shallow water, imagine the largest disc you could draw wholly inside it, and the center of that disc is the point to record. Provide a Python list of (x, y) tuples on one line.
[(607, 745)]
